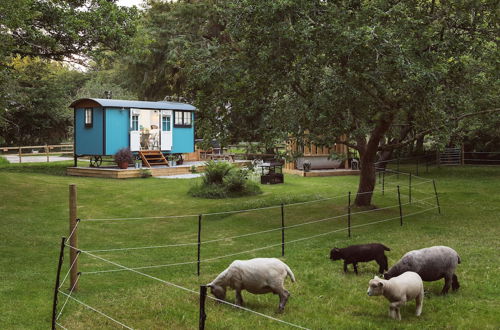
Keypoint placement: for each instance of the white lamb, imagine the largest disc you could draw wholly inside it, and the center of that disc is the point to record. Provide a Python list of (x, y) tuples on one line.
[(259, 275), (398, 290)]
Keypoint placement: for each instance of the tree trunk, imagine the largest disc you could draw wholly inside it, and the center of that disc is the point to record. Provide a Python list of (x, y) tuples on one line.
[(368, 154)]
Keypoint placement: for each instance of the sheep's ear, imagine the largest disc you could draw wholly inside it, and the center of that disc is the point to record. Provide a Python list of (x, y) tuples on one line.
[(209, 285), (380, 284)]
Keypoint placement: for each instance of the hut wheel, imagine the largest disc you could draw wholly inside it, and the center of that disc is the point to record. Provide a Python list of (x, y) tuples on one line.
[(95, 161)]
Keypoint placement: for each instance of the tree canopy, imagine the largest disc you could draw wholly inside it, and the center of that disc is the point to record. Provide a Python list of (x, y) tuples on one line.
[(325, 69)]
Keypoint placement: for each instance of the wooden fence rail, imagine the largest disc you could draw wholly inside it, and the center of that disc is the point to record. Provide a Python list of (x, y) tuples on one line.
[(47, 150)]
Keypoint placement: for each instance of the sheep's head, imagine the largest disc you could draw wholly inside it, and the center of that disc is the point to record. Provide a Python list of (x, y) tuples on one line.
[(218, 291), (375, 287), (404, 265), (335, 254)]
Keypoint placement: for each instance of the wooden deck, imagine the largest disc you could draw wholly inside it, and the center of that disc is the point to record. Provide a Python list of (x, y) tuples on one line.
[(131, 172), (313, 173)]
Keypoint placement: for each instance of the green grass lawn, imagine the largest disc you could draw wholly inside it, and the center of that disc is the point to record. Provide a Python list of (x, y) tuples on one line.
[(34, 216)]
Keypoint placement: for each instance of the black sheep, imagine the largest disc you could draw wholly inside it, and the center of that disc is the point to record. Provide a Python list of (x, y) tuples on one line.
[(361, 253)]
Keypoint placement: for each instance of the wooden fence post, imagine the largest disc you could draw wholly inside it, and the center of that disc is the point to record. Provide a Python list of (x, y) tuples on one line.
[(203, 315), (20, 152), (56, 288), (47, 152), (73, 239)]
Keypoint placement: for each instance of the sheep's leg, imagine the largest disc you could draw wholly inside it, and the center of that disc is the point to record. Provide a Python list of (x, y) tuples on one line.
[(355, 265), (382, 264), (284, 295), (395, 306), (345, 266), (454, 284), (239, 298), (420, 303), (447, 283)]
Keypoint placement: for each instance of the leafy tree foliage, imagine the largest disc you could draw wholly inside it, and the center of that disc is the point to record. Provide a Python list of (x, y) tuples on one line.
[(385, 73), (38, 100)]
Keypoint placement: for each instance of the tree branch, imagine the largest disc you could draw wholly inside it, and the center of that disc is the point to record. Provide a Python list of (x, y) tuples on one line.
[(430, 130)]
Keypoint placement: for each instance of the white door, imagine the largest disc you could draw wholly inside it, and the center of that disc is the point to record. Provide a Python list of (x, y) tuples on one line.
[(166, 130), (135, 133)]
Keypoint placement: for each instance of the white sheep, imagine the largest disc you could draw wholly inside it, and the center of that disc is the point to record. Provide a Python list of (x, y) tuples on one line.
[(259, 275), (398, 290)]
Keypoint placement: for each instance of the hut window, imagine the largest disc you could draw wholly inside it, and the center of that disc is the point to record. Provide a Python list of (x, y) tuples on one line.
[(165, 123), (135, 123), (89, 114), (182, 119)]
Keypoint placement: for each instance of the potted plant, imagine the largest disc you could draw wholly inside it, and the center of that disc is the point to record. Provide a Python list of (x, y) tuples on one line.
[(172, 159), (123, 157)]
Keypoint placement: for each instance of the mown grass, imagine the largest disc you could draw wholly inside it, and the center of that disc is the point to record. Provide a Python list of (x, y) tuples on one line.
[(34, 217)]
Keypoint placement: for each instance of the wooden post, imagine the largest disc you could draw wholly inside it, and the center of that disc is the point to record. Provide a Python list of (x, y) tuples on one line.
[(47, 152), (400, 208), (349, 215), (20, 152), (437, 199), (203, 315), (282, 230), (56, 288), (73, 239), (199, 245)]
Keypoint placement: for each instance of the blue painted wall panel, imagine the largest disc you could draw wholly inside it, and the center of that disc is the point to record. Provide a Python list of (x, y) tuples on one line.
[(117, 130), (89, 140), (183, 139)]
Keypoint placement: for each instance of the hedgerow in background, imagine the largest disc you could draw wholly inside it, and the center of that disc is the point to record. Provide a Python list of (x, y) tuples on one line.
[(222, 180)]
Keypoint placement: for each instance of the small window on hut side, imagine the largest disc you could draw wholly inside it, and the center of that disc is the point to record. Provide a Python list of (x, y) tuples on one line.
[(89, 114), (182, 119)]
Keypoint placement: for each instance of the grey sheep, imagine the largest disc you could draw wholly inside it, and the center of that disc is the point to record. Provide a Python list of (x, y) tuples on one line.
[(432, 264)]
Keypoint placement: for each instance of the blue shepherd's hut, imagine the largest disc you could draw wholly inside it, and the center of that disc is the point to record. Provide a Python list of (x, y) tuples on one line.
[(150, 129)]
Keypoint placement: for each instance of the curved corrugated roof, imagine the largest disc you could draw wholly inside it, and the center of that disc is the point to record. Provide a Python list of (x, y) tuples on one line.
[(113, 103)]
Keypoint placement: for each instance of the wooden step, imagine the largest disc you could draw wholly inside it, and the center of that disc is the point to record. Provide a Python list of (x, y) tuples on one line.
[(152, 157)]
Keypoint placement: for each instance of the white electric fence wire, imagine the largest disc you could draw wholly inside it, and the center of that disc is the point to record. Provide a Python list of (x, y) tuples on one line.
[(243, 235), (97, 311), (230, 212), (69, 270), (67, 298), (252, 250), (61, 326), (187, 289), (73, 231)]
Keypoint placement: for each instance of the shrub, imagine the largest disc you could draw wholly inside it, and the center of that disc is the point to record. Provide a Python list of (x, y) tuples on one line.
[(145, 173), (222, 180), (124, 155), (215, 172)]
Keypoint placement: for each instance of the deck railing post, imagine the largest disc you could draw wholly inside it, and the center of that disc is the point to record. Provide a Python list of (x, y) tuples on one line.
[(73, 239), (56, 288), (199, 245)]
